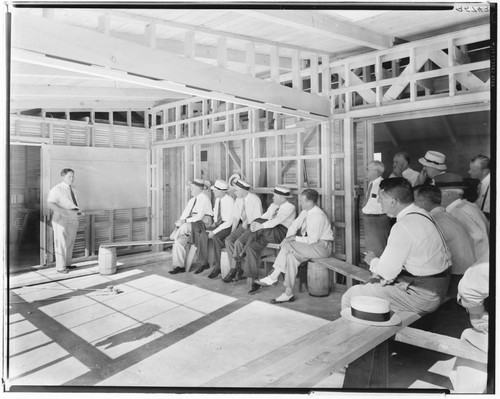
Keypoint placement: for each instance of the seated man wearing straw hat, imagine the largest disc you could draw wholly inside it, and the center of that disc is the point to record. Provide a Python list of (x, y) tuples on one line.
[(270, 228), (434, 166), (197, 211), (310, 236), (247, 208), (218, 231), (413, 272)]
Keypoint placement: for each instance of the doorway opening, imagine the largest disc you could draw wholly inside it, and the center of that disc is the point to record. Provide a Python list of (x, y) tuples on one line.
[(24, 207)]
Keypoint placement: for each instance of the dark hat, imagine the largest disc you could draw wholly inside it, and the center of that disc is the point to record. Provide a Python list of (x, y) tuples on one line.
[(449, 180)]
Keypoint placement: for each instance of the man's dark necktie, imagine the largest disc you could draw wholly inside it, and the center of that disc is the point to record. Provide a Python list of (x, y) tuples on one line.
[(367, 196), (73, 196)]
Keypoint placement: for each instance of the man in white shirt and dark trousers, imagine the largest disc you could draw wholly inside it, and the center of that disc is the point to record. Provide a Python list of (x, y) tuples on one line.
[(413, 272), (247, 208), (479, 168), (375, 221), (310, 236), (64, 204), (197, 211), (218, 231), (270, 228)]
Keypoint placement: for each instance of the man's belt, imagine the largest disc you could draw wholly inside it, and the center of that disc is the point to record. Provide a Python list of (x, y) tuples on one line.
[(445, 273), (372, 215)]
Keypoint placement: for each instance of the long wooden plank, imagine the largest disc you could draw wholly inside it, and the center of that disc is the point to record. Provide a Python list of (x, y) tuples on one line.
[(345, 268), (312, 357), (131, 243), (92, 48), (441, 343)]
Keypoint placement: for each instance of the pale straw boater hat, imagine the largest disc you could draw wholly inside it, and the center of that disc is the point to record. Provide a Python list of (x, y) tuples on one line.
[(434, 159), (372, 311), (220, 185)]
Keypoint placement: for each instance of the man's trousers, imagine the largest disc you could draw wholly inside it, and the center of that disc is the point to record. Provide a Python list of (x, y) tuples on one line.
[(293, 253), (256, 242), (201, 241), (64, 241)]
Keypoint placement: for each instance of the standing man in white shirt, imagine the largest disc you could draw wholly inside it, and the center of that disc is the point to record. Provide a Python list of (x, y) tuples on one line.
[(479, 168), (452, 191), (64, 204), (218, 231), (310, 236), (271, 228), (401, 168), (247, 208), (197, 211), (375, 221), (413, 272)]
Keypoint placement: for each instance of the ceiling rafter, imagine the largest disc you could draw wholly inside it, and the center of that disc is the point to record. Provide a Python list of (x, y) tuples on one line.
[(324, 25), (48, 91)]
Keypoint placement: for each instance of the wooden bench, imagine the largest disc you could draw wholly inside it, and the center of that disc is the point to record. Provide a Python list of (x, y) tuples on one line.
[(307, 360), (107, 253)]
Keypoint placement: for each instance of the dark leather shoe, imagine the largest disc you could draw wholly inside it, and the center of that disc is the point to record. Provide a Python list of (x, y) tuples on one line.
[(214, 273), (255, 288), (201, 268), (229, 277), (71, 267), (238, 276), (177, 269)]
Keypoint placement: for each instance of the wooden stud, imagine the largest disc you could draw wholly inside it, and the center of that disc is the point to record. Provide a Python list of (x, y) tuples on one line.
[(296, 79), (314, 74), (275, 64), (325, 75), (250, 59)]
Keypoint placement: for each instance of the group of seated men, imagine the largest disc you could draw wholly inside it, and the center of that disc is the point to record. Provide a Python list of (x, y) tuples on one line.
[(241, 227), (438, 246), (435, 236)]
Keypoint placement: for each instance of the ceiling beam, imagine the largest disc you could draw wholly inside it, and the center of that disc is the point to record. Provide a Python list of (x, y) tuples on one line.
[(325, 25), (103, 93), (80, 104), (92, 49)]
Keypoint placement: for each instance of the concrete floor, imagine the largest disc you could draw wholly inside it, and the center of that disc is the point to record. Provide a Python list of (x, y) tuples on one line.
[(181, 330)]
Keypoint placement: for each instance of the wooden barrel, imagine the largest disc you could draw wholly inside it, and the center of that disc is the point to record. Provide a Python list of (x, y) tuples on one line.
[(107, 260), (318, 280)]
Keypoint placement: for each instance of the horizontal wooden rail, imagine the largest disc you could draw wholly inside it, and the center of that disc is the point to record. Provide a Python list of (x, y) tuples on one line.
[(441, 343)]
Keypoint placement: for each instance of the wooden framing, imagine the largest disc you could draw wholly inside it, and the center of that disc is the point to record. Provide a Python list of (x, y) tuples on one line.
[(51, 39)]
